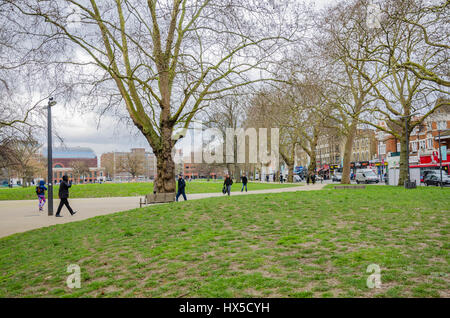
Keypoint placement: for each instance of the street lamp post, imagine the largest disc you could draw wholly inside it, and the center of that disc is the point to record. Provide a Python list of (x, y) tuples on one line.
[(51, 103)]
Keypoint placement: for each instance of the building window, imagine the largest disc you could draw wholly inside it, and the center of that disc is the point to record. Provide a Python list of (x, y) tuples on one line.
[(398, 147), (429, 143), (429, 126), (422, 144), (413, 146), (382, 149)]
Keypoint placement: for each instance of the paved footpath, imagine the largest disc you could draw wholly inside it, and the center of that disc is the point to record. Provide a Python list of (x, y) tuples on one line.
[(23, 215)]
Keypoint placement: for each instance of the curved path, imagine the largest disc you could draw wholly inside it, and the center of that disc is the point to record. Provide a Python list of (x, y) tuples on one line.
[(23, 215)]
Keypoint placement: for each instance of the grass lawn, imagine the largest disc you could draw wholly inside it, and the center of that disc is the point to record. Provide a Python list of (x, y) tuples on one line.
[(130, 189), (298, 244)]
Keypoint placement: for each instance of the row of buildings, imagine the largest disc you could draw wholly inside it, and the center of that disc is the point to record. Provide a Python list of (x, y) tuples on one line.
[(82, 165), (380, 150), (371, 148)]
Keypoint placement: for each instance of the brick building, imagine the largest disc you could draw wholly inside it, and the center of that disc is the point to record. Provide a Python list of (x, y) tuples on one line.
[(112, 162), (423, 142), (65, 158)]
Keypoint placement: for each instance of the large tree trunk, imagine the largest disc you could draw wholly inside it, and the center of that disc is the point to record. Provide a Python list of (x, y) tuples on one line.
[(348, 154), (313, 162), (290, 177), (230, 169), (313, 154), (165, 179), (237, 172), (403, 163)]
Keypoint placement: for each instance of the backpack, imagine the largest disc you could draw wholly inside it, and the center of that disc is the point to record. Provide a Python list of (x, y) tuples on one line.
[(39, 190)]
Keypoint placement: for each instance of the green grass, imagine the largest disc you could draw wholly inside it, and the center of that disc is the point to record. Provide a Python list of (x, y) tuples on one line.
[(130, 189), (298, 244)]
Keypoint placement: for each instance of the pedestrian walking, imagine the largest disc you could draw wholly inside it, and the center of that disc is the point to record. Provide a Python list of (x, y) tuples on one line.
[(227, 184), (244, 183), (313, 177), (64, 195), (40, 191), (308, 178), (267, 178), (281, 178), (181, 188)]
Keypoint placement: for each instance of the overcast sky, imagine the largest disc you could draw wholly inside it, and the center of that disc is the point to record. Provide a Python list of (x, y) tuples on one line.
[(81, 129)]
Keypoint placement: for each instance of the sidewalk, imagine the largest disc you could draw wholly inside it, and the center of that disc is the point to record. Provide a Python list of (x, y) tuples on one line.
[(23, 215)]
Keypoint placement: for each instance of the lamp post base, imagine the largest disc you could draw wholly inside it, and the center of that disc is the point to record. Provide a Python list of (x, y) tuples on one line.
[(410, 185)]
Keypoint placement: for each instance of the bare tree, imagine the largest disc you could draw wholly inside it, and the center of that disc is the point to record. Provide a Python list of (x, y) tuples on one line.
[(25, 159), (24, 85), (342, 47), (403, 99), (223, 114), (80, 170), (107, 163), (431, 20), (296, 109), (133, 163), (155, 53)]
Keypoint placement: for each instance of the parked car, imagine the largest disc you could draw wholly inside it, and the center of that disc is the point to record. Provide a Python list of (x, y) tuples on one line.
[(435, 179), (366, 176), (435, 172), (337, 177)]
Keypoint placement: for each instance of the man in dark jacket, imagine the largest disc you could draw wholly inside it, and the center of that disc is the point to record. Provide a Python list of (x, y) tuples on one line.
[(64, 195), (181, 187), (227, 184), (244, 183)]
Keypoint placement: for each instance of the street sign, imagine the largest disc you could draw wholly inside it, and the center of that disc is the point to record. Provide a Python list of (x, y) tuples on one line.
[(444, 153)]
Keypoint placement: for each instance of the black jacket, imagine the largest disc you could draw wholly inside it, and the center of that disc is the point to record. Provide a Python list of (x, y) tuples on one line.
[(244, 180), (64, 189), (181, 184), (228, 181)]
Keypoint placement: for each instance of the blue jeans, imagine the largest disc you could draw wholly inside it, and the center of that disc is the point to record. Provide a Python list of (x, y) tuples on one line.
[(228, 189), (181, 192), (244, 185)]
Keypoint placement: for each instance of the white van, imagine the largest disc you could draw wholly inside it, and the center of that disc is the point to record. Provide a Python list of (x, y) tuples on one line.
[(366, 176)]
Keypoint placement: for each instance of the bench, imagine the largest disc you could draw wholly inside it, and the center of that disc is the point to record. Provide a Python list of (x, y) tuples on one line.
[(157, 198), (350, 187)]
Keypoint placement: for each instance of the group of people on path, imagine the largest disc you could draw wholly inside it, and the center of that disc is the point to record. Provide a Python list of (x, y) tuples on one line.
[(227, 183), (310, 178), (63, 195)]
